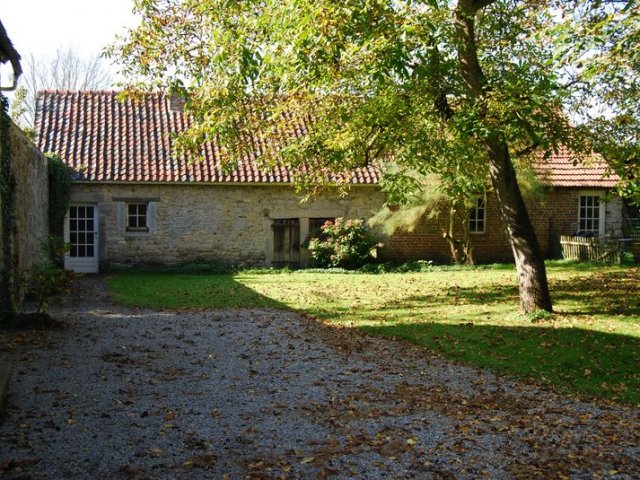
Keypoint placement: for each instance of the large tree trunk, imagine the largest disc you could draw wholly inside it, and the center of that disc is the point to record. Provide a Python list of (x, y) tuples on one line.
[(532, 275)]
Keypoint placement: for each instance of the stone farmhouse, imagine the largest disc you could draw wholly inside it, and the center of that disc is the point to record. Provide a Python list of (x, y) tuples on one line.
[(135, 202)]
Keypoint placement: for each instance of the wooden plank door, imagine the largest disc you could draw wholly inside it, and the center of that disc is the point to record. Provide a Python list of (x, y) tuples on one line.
[(286, 242)]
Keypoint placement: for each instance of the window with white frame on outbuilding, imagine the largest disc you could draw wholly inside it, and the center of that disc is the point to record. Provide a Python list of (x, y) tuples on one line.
[(477, 215), (591, 214)]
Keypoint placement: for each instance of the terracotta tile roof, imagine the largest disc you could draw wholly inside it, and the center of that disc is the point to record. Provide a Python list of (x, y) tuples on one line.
[(562, 170), (105, 139)]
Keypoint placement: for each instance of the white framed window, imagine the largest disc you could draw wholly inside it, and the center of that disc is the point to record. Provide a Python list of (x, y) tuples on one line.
[(591, 211), (478, 215), (137, 217)]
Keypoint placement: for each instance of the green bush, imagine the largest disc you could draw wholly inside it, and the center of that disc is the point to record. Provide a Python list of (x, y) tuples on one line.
[(48, 280), (344, 244)]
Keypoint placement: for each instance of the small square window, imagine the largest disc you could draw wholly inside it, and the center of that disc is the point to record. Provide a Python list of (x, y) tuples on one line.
[(477, 215), (137, 217)]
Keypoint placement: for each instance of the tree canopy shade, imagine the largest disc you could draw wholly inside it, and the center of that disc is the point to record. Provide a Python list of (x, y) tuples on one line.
[(464, 90)]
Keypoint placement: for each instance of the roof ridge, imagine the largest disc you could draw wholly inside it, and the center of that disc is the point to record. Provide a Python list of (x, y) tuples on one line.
[(55, 91)]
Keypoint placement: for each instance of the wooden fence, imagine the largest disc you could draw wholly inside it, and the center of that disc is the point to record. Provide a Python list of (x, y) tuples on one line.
[(591, 249)]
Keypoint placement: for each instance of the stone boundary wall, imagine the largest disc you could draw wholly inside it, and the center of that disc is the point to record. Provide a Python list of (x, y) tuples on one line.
[(31, 205)]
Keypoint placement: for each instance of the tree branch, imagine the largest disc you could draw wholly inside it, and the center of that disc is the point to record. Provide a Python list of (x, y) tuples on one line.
[(470, 68), (441, 103), (527, 150), (480, 4)]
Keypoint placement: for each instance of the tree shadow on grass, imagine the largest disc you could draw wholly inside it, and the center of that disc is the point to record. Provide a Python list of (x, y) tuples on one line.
[(601, 293), (574, 359), (471, 295)]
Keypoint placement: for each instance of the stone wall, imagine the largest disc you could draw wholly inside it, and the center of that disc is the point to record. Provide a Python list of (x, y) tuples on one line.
[(31, 200), (234, 223), (211, 222)]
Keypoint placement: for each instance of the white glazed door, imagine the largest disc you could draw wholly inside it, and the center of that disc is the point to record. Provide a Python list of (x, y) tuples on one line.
[(81, 231)]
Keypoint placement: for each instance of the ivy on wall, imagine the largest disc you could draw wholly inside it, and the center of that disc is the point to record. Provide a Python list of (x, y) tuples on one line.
[(59, 193), (7, 188)]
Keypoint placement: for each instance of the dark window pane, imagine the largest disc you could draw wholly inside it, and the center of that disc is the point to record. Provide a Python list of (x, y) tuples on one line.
[(73, 212), (89, 225), (73, 238), (90, 251), (137, 215), (74, 251), (81, 250)]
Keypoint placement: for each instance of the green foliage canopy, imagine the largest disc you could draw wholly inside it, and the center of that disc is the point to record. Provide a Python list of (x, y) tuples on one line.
[(598, 43), (380, 78)]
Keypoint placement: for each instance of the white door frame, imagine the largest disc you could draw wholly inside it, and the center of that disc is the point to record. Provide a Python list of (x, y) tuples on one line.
[(83, 256)]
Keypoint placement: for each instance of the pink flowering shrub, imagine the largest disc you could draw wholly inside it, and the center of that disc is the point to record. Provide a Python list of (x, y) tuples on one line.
[(344, 244)]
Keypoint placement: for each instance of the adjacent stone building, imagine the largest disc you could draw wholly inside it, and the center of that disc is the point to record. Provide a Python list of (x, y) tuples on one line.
[(135, 202)]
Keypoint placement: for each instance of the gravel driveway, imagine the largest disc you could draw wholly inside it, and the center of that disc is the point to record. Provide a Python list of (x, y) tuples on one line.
[(128, 394)]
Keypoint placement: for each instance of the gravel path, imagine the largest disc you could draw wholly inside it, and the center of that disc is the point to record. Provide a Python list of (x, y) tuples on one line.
[(129, 394)]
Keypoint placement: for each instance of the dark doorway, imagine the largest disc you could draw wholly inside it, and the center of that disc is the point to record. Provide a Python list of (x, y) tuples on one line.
[(286, 242)]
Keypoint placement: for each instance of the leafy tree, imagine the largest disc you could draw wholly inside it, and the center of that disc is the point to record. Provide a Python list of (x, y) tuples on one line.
[(602, 63), (416, 86), (66, 70)]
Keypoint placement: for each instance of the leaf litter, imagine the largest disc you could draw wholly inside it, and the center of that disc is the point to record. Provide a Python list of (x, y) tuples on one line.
[(266, 394)]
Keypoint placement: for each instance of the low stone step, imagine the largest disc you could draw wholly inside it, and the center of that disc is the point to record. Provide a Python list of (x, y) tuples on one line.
[(5, 375)]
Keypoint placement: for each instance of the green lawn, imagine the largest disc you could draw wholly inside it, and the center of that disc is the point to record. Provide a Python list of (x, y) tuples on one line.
[(591, 345)]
